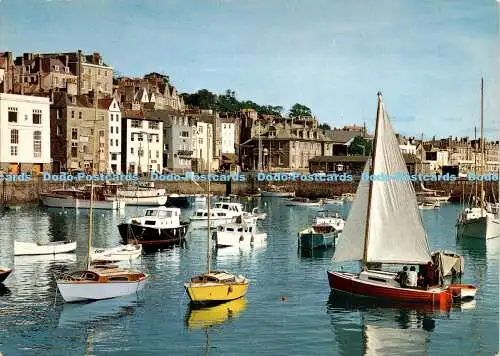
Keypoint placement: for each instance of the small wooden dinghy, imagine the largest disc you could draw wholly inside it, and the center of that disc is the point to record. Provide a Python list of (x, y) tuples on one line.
[(51, 248), (4, 273)]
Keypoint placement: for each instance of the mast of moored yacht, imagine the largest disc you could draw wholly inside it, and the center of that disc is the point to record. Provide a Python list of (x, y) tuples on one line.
[(371, 172), (209, 251), (89, 257), (481, 142)]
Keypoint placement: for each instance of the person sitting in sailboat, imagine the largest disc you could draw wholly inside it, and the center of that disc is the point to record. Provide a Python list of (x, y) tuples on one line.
[(402, 277), (412, 277)]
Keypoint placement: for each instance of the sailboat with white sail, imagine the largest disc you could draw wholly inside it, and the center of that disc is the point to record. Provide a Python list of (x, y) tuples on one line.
[(478, 221), (385, 227), (104, 282)]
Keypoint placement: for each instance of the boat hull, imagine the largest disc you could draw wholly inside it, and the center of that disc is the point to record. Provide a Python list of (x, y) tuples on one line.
[(350, 283), (79, 292), (277, 194), (150, 237), (144, 201), (4, 273), (208, 293), (314, 240), (32, 249), (242, 239), (484, 228), (69, 202)]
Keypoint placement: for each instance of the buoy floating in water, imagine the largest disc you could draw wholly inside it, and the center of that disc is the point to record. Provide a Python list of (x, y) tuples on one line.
[(283, 298)]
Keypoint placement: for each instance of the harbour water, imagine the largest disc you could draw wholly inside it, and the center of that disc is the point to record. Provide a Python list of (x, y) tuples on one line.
[(308, 320)]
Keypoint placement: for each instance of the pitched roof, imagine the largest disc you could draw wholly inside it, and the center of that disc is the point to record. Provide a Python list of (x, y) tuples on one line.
[(133, 114), (342, 137)]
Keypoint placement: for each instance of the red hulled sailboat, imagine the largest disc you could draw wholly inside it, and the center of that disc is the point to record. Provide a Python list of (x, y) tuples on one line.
[(385, 227)]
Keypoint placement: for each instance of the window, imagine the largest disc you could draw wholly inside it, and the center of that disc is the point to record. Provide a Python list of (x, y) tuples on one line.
[(184, 133), (116, 142), (113, 156), (58, 131), (13, 150), (37, 116), (117, 128), (12, 117), (66, 69), (74, 149), (136, 124), (74, 134), (139, 137), (150, 138), (101, 117), (131, 137), (37, 144), (131, 150), (56, 68), (112, 117), (111, 142), (101, 133), (72, 114), (157, 154), (153, 125), (114, 107), (14, 137), (111, 129), (80, 115)]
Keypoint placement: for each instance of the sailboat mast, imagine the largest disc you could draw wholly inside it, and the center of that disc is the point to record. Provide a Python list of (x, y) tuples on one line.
[(89, 240), (481, 142), (370, 189), (209, 251), (475, 166)]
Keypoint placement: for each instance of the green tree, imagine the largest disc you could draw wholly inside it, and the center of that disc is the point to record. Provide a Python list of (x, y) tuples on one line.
[(356, 147), (324, 127), (299, 110), (203, 99), (228, 103)]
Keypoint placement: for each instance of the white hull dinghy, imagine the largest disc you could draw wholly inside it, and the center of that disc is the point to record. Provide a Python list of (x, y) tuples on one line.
[(115, 254), (51, 248)]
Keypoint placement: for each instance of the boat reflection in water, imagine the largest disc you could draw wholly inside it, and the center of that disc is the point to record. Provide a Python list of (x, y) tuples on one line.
[(321, 253), (206, 317), (91, 313), (4, 290), (240, 250), (380, 329)]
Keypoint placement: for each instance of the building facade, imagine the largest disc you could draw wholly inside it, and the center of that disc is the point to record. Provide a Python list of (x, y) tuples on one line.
[(142, 143), (114, 132), (24, 133), (202, 145), (79, 134)]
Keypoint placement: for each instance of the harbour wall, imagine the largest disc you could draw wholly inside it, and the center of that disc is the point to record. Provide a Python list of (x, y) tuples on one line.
[(27, 192)]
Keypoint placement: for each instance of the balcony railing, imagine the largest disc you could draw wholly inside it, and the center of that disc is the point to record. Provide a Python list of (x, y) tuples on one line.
[(184, 153)]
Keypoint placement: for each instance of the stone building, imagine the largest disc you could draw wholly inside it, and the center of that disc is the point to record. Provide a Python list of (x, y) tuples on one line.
[(79, 134), (282, 143)]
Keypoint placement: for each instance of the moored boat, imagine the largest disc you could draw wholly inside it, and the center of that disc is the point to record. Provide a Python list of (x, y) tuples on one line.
[(334, 201), (384, 227), (317, 237), (4, 273), (73, 198), (304, 202), (115, 254), (214, 286), (158, 228), (222, 213), (429, 205), (51, 248), (276, 192), (141, 195), (329, 218), (258, 214), (238, 234)]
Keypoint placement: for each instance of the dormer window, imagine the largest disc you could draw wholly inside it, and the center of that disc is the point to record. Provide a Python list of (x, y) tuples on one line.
[(66, 69), (56, 68)]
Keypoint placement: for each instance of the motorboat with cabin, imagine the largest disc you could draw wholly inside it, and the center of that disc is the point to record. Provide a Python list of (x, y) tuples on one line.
[(276, 192), (329, 218), (157, 228), (79, 198), (222, 213), (334, 201), (238, 233)]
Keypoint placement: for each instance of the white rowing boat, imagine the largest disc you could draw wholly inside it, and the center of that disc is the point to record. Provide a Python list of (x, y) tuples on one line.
[(114, 254), (51, 248)]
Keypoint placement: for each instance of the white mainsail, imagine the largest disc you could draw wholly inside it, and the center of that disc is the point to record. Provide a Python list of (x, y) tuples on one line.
[(395, 230)]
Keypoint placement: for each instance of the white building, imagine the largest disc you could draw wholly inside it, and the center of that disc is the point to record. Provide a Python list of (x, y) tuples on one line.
[(202, 145), (24, 133), (227, 137), (114, 129), (408, 148), (143, 140)]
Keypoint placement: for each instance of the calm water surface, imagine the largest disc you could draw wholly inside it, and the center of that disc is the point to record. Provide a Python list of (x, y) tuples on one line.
[(34, 320)]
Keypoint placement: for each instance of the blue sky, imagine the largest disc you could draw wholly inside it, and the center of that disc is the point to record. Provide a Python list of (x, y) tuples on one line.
[(427, 56)]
